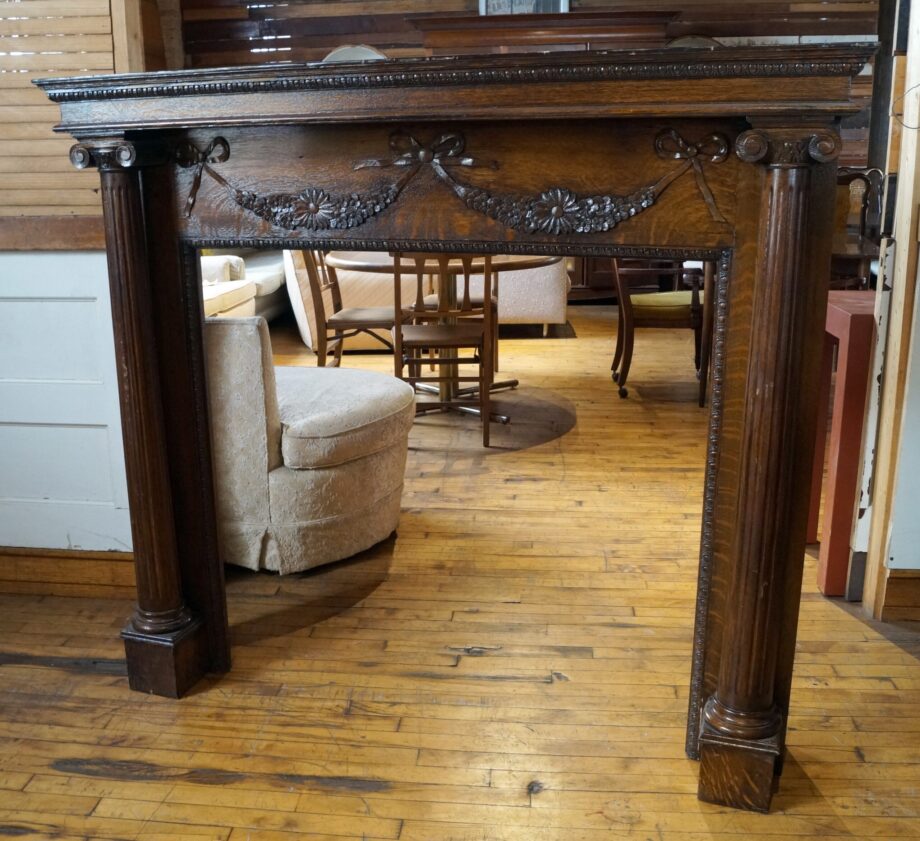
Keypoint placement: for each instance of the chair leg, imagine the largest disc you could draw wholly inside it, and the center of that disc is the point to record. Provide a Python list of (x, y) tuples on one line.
[(697, 345), (337, 353), (485, 395), (627, 361), (618, 351), (708, 325), (321, 350), (495, 341), (545, 329), (705, 355)]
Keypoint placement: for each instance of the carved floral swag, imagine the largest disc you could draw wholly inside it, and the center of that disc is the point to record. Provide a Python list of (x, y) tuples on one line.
[(557, 210)]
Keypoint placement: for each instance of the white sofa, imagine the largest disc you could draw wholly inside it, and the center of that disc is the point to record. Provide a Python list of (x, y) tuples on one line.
[(532, 296), (244, 283), (308, 462)]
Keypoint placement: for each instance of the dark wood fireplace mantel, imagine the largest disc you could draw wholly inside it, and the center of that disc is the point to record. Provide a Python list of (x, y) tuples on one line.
[(717, 154)]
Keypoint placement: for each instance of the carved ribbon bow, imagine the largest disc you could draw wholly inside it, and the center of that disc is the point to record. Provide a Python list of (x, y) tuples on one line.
[(189, 155), (714, 148), (445, 151)]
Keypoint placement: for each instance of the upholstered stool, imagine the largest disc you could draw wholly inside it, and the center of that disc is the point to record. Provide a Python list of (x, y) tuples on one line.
[(308, 462)]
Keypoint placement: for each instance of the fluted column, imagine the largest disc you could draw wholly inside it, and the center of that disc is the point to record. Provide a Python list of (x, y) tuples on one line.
[(161, 620), (741, 737)]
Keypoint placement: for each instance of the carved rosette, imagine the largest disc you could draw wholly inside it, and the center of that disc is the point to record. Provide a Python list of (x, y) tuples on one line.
[(779, 148)]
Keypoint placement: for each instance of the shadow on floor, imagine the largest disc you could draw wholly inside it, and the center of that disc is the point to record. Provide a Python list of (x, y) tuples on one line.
[(538, 416), (294, 602)]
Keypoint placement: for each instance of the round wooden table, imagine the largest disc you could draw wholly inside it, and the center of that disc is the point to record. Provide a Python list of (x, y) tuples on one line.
[(381, 262)]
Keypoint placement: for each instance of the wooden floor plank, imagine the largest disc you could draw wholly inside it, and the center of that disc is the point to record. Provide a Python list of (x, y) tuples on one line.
[(514, 665)]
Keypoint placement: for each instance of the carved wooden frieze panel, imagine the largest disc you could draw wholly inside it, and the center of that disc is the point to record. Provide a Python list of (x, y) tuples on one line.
[(472, 178)]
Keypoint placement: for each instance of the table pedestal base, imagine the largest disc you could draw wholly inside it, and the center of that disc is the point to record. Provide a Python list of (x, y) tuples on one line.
[(424, 409), (469, 392)]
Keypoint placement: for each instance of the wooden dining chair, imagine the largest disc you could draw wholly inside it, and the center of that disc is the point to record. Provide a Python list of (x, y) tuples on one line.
[(857, 221), (443, 330), (476, 299), (334, 322), (690, 308)]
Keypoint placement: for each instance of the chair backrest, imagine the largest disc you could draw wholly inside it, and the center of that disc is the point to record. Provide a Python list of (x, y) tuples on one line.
[(317, 288), (650, 273), (860, 189), (324, 284), (444, 267), (245, 427), (640, 272)]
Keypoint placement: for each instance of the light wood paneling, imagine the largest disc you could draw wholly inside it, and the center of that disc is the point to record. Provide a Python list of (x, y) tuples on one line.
[(65, 573), (127, 35), (60, 42), (514, 665), (52, 233), (42, 38), (80, 25), (902, 281), (902, 596), (54, 38)]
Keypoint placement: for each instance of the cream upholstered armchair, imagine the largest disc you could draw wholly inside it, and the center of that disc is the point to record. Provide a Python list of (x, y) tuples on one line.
[(308, 462), (248, 282)]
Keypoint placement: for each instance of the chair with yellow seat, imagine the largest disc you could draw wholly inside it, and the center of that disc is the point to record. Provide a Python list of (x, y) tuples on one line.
[(674, 309)]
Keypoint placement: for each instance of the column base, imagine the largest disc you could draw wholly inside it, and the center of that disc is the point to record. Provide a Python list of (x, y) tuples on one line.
[(166, 664), (740, 773)]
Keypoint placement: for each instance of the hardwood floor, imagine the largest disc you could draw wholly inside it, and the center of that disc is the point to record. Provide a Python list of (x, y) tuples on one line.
[(514, 665)]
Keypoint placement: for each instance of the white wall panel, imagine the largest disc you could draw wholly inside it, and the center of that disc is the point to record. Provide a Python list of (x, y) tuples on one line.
[(69, 461), (904, 543), (28, 353), (62, 478)]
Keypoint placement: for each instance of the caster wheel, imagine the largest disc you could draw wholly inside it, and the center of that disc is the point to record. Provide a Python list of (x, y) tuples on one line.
[(622, 392), (615, 376)]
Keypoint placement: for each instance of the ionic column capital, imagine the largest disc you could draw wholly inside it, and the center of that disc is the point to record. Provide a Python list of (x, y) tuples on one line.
[(785, 147)]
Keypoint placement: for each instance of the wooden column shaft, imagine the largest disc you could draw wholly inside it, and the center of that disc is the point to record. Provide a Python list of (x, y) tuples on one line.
[(178, 321), (160, 606), (743, 721), (743, 706)]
